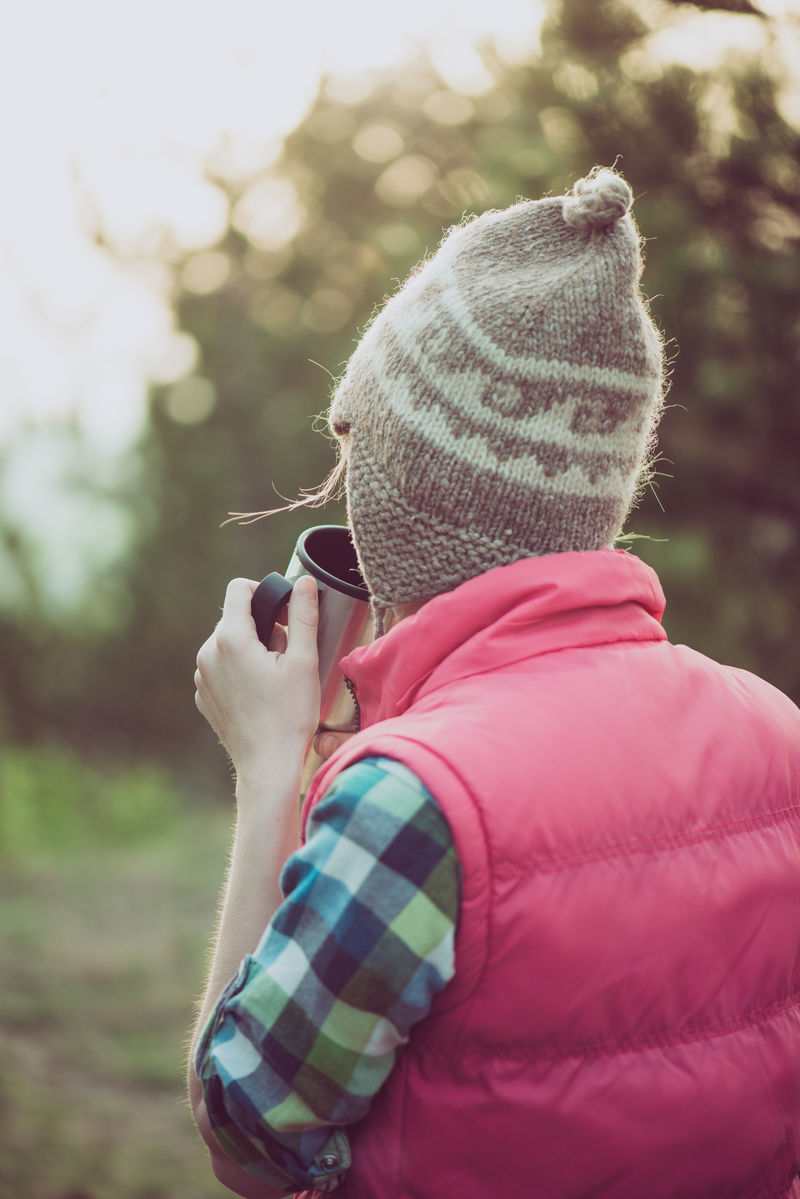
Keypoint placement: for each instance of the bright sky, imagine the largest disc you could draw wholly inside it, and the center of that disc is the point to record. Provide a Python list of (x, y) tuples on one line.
[(113, 109)]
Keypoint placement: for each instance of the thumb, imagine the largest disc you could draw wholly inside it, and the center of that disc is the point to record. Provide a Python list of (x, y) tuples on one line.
[(303, 618), (328, 741)]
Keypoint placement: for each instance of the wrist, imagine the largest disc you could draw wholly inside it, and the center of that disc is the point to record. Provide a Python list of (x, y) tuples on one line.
[(269, 778), (267, 817)]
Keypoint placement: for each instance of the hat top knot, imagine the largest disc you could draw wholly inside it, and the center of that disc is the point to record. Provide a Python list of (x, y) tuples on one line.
[(598, 201)]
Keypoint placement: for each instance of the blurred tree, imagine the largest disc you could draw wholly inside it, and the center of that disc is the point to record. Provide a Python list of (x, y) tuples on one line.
[(364, 187)]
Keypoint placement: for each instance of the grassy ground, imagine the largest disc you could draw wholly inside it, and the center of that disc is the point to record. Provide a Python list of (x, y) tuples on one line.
[(102, 954)]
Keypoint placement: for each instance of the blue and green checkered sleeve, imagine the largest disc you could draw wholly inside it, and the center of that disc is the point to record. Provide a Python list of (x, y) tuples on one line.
[(306, 1033)]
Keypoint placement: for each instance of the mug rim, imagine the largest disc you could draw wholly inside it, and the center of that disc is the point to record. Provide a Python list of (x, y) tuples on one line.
[(354, 590)]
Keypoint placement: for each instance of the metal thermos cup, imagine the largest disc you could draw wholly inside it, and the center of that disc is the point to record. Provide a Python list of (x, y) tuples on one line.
[(345, 617)]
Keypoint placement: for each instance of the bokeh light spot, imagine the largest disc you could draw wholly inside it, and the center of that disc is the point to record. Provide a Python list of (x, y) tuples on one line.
[(269, 213), (406, 180), (206, 273), (575, 81), (378, 143), (465, 189), (640, 66), (191, 401), (176, 356), (448, 108)]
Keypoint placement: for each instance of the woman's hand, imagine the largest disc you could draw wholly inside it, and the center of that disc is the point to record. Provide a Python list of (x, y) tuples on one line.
[(261, 702), (327, 741)]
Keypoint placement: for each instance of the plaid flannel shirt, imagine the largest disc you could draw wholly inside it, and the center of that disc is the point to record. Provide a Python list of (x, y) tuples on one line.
[(306, 1033)]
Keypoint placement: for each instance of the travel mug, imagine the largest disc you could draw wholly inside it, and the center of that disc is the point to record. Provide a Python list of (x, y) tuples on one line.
[(345, 618)]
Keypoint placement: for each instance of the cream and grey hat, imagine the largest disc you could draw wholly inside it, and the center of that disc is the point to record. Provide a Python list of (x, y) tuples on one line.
[(502, 403)]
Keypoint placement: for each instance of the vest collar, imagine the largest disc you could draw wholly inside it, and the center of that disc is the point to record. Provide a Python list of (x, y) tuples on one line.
[(534, 606)]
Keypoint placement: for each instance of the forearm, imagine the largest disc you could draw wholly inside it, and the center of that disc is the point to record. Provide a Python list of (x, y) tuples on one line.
[(266, 834)]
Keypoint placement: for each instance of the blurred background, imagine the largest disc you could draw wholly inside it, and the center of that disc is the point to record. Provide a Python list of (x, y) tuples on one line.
[(201, 205)]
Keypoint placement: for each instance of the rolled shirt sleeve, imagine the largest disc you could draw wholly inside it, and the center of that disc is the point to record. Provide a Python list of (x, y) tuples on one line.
[(308, 1031)]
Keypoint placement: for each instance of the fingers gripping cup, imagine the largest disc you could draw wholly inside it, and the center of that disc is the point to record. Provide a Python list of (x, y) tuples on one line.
[(345, 619)]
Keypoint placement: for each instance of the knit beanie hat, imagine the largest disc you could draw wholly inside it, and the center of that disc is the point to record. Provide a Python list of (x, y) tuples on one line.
[(502, 403)]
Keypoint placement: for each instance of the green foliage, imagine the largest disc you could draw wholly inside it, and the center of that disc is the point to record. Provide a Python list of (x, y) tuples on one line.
[(53, 800)]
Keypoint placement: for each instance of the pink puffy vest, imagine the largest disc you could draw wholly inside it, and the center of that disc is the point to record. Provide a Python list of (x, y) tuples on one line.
[(625, 1018)]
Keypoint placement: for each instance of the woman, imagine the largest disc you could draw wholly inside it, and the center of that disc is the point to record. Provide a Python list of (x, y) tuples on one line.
[(541, 938)]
